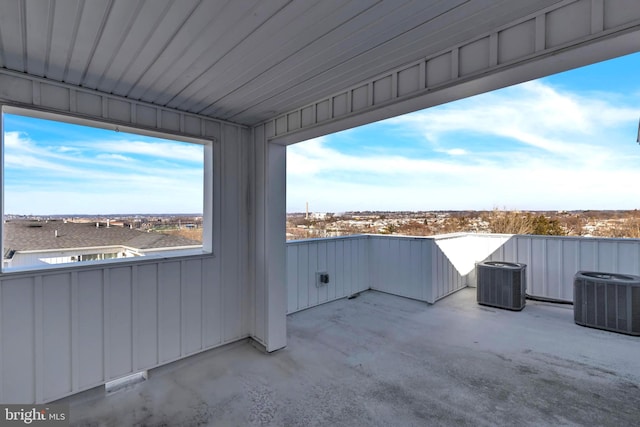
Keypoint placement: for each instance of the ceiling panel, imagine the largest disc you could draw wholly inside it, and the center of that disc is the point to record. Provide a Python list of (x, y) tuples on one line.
[(363, 37), (242, 60), (62, 37), (107, 72), (240, 22), (41, 17), (445, 30), (89, 25), (356, 34), (12, 34), (155, 47), (271, 53), (184, 35), (120, 20)]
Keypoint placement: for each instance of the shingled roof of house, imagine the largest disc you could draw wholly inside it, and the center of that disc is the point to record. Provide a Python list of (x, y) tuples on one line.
[(21, 235)]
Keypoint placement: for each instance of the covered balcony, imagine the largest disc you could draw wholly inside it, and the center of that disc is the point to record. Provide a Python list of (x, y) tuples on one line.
[(243, 80), (360, 354)]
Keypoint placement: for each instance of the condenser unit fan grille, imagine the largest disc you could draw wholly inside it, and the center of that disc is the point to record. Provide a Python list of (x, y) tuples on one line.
[(607, 301), (501, 284)]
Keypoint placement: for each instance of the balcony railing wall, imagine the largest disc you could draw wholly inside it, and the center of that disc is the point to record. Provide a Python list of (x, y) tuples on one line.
[(430, 268), (67, 330), (346, 259), (407, 266), (412, 267), (553, 261), (79, 328)]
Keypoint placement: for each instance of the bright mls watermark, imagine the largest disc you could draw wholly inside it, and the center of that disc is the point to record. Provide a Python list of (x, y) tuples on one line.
[(34, 415)]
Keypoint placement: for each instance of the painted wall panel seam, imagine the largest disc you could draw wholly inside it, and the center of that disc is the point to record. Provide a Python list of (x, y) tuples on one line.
[(540, 33), (75, 369), (2, 398), (135, 327), (105, 325), (35, 91), (38, 344), (597, 16)]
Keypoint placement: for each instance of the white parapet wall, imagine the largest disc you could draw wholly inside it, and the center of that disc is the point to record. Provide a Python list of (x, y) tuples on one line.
[(430, 268), (553, 261), (67, 330), (413, 267), (344, 259)]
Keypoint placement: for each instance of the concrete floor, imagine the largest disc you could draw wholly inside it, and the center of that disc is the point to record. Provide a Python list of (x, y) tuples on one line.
[(382, 360)]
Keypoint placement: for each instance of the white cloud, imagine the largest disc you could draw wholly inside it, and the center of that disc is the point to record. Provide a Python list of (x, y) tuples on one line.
[(102, 161), (532, 113), (454, 151), (526, 147), (118, 157), (314, 158), (16, 140), (168, 150), (63, 149), (41, 178)]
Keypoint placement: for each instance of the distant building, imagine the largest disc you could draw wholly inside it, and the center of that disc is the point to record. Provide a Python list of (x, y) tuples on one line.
[(321, 216), (32, 243)]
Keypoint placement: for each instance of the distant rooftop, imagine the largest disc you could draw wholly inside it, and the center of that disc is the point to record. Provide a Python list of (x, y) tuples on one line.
[(24, 235)]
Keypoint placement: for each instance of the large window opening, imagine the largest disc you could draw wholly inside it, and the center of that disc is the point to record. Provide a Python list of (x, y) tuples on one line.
[(555, 156), (77, 191)]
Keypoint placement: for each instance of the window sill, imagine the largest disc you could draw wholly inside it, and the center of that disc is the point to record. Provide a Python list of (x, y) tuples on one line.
[(166, 254)]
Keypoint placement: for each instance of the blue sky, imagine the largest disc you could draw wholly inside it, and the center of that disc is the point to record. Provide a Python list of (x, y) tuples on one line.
[(60, 168), (563, 142), (567, 141)]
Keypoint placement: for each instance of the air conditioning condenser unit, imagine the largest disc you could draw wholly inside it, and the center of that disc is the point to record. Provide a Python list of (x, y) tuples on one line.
[(501, 284), (607, 301)]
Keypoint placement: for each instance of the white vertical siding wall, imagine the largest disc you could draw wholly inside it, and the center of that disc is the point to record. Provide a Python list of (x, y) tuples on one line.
[(232, 228), (267, 228), (411, 267), (421, 269), (402, 266), (465, 250), (66, 330), (553, 261), (445, 277), (345, 259)]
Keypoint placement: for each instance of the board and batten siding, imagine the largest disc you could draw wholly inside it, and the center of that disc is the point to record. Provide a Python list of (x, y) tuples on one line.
[(344, 259), (430, 268), (401, 266), (65, 330), (411, 267), (445, 277), (553, 261)]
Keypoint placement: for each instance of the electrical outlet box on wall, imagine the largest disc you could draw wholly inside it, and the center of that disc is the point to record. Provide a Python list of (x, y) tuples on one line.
[(322, 278)]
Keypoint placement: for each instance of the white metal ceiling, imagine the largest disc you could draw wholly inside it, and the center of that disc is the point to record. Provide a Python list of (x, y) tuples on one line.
[(241, 60)]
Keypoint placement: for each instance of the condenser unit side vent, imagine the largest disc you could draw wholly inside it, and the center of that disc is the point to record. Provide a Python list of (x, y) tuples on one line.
[(501, 284), (607, 301)]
